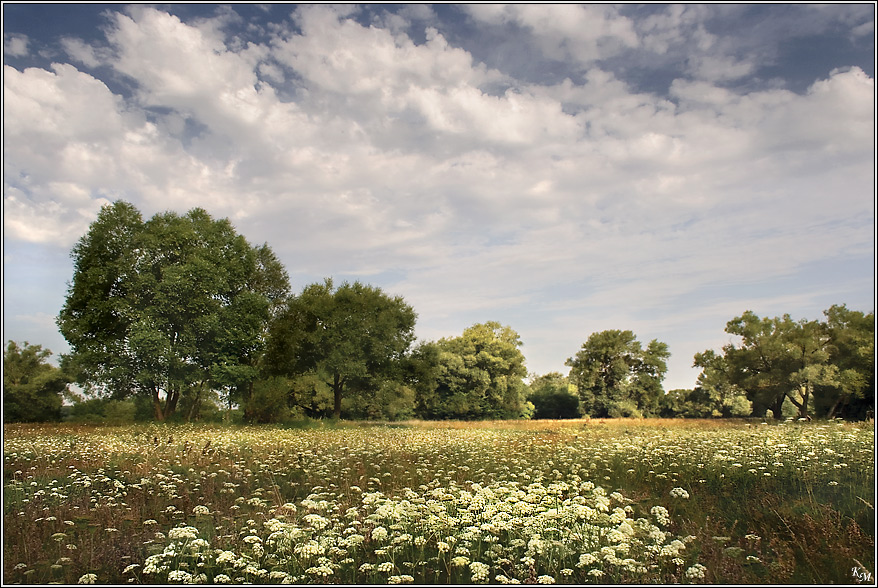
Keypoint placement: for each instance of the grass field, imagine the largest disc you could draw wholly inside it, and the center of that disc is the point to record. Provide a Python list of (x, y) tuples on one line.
[(615, 501)]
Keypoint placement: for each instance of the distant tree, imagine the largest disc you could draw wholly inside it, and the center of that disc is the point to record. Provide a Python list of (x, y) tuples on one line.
[(672, 404), (351, 339), (762, 363), (175, 306), (33, 389), (716, 395), (815, 367), (480, 375), (851, 346), (615, 376), (422, 375), (552, 398)]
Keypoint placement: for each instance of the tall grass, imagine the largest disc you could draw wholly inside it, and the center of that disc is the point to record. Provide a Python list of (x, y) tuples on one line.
[(614, 501)]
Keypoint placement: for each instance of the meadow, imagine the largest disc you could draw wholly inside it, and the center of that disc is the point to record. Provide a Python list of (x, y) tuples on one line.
[(548, 502)]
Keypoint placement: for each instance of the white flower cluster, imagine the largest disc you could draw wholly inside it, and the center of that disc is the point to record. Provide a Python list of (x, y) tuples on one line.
[(696, 572), (679, 493), (479, 571), (183, 533), (661, 515)]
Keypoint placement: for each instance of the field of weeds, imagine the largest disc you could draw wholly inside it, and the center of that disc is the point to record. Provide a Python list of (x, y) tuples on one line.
[(564, 502)]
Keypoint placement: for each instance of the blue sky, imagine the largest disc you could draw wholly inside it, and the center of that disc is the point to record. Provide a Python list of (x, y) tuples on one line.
[(562, 169)]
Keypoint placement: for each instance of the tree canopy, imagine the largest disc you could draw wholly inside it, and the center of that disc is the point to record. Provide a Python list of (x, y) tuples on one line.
[(348, 339), (480, 375), (170, 307), (552, 397), (33, 389), (820, 368), (615, 376)]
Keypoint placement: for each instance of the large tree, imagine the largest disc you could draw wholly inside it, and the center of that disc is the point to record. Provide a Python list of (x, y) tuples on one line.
[(762, 362), (815, 366), (173, 306), (480, 375), (350, 340), (33, 389), (616, 376), (851, 346)]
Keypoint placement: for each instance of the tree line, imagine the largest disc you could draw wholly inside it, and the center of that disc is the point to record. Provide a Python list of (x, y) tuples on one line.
[(179, 317)]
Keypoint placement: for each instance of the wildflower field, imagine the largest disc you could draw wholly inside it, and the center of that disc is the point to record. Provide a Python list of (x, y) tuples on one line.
[(563, 502)]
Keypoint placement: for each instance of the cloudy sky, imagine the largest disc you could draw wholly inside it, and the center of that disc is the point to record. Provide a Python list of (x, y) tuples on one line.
[(562, 169)]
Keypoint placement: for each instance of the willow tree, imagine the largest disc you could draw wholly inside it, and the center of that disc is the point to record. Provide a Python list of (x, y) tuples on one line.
[(166, 308), (824, 368)]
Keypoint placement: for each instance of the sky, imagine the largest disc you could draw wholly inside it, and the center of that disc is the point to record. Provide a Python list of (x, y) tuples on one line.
[(562, 169)]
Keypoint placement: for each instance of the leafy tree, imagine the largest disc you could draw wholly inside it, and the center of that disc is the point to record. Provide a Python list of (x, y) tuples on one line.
[(763, 362), (673, 403), (268, 401), (715, 395), (33, 389), (815, 367), (552, 398), (480, 375), (422, 370), (615, 376), (239, 379), (175, 306), (851, 347), (350, 339), (392, 401)]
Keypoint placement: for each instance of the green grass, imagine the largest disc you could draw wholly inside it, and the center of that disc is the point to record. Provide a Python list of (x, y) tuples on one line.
[(529, 501)]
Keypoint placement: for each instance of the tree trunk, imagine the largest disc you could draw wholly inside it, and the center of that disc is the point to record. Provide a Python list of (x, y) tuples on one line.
[(171, 404), (157, 406), (196, 404), (805, 391), (777, 408), (831, 414)]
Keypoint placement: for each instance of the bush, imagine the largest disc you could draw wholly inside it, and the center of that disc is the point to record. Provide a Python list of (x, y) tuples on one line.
[(625, 409), (109, 411), (269, 401)]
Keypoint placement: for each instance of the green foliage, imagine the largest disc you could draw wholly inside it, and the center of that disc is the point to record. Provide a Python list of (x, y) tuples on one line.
[(615, 376), (392, 401), (109, 411), (170, 307), (851, 349), (552, 398), (818, 368), (421, 374), (32, 388), (269, 401), (351, 339), (704, 402), (479, 376)]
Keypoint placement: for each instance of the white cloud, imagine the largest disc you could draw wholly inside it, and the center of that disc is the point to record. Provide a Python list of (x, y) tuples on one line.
[(81, 52), (15, 44), (352, 150), (583, 33)]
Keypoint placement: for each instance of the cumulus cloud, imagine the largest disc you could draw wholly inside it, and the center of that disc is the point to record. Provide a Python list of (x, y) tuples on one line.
[(354, 150), (81, 52), (583, 33)]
